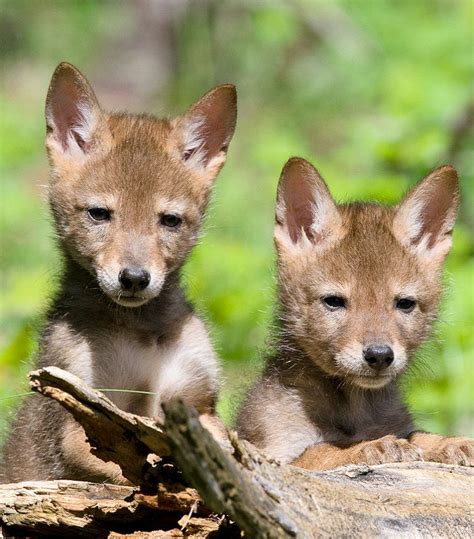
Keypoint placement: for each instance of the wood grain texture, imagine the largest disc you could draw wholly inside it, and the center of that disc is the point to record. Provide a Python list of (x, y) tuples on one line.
[(268, 499), (84, 509), (185, 479), (131, 441)]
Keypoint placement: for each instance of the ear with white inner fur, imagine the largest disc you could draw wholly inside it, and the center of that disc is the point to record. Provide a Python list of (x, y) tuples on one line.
[(306, 214), (425, 218), (72, 112), (207, 129)]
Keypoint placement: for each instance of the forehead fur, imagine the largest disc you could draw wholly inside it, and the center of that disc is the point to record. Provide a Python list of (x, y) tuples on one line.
[(140, 160), (142, 157), (368, 256), (368, 235)]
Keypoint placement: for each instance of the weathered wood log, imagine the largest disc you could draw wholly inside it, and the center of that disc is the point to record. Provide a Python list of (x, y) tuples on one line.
[(84, 509), (268, 499), (129, 440), (265, 498)]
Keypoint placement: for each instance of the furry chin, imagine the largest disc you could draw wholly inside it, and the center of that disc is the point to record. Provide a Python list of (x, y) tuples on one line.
[(130, 302), (367, 382)]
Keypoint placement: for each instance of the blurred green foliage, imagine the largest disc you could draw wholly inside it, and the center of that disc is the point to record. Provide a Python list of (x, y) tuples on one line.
[(374, 93)]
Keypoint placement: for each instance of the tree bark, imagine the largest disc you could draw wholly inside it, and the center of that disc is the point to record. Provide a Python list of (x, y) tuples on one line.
[(268, 499), (264, 498), (84, 509), (131, 441)]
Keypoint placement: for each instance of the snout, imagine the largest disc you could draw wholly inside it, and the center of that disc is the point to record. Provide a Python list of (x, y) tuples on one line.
[(132, 285), (371, 365), (134, 279), (379, 357)]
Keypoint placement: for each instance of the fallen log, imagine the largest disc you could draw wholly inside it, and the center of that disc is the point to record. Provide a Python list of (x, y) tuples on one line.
[(131, 441), (82, 509), (268, 499), (263, 497)]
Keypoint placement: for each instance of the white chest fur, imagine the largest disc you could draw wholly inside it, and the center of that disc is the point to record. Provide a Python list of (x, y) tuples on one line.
[(184, 367)]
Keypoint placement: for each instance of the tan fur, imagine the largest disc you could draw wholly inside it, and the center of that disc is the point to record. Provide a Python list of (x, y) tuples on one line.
[(325, 456), (137, 170), (319, 387), (451, 450), (91, 468)]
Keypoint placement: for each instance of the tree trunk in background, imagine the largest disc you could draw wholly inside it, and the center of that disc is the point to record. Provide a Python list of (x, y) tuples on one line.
[(145, 57)]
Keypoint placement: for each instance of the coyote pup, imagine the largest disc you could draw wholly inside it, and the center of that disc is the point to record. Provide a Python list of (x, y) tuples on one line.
[(359, 287), (128, 194)]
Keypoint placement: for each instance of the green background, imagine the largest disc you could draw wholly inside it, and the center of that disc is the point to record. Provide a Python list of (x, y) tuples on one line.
[(375, 93)]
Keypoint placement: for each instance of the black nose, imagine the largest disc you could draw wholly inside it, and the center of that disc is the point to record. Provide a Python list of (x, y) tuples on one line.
[(378, 356), (134, 279)]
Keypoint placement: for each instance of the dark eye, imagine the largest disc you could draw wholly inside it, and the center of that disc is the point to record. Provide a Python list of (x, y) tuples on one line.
[(405, 304), (170, 220), (334, 302), (99, 214)]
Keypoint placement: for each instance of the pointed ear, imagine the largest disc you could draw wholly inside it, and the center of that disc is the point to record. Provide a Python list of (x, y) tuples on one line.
[(425, 218), (72, 113), (207, 129), (306, 214)]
